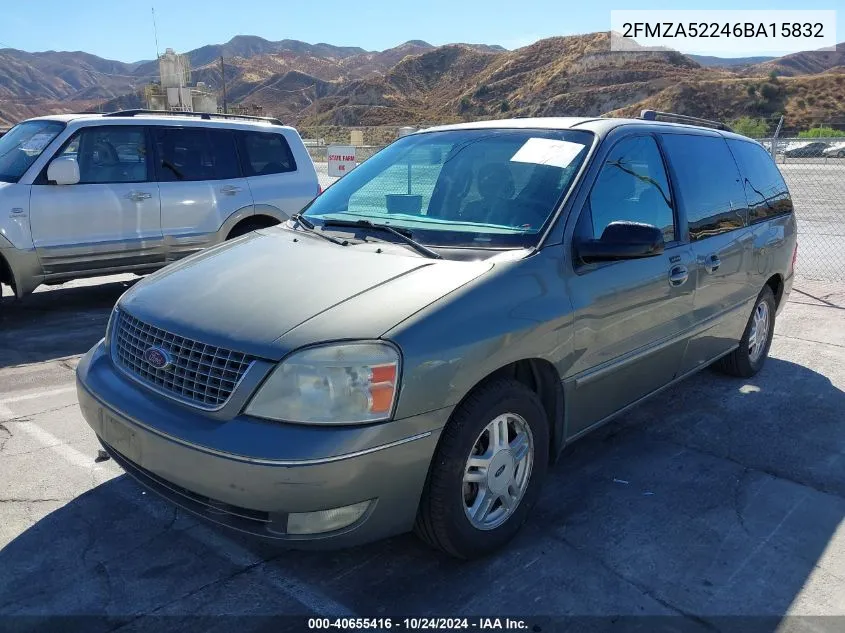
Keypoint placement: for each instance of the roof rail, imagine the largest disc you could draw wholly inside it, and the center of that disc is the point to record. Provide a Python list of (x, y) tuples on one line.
[(199, 115), (671, 117)]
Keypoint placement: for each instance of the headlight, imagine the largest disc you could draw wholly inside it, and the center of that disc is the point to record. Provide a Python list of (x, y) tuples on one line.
[(342, 383), (110, 325)]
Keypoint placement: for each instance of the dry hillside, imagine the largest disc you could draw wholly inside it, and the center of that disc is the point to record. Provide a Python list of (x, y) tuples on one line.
[(324, 86)]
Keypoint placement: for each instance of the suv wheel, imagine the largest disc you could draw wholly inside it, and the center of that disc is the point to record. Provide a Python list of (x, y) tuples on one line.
[(487, 471), (749, 357)]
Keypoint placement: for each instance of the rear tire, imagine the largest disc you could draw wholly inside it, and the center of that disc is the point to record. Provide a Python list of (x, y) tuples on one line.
[(487, 471), (750, 356)]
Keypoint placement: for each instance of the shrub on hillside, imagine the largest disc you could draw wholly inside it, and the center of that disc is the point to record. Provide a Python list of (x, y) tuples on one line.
[(821, 132), (755, 128)]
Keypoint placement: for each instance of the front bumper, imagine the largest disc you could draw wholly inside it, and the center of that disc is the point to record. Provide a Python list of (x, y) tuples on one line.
[(205, 465)]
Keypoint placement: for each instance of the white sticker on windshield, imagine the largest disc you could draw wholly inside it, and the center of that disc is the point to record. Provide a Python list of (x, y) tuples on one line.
[(547, 151), (37, 142)]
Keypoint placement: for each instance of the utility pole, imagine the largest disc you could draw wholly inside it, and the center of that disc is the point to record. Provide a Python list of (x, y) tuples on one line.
[(223, 76), (775, 139), (155, 31)]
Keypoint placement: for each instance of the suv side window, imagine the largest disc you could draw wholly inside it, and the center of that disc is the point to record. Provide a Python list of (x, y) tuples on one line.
[(109, 154), (708, 184), (195, 153), (633, 187), (765, 188), (265, 153)]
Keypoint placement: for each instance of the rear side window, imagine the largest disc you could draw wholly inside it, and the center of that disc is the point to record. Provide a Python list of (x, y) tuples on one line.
[(708, 183), (195, 153), (765, 188), (265, 153)]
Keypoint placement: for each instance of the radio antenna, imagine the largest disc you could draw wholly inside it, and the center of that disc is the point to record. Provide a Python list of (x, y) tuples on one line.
[(155, 30)]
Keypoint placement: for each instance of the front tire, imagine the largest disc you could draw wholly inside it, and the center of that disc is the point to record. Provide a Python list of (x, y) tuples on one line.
[(749, 357), (487, 471)]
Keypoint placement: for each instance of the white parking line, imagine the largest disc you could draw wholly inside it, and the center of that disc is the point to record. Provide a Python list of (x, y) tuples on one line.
[(45, 393), (70, 454)]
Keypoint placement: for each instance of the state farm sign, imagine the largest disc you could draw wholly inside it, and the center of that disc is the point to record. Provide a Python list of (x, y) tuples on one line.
[(341, 159)]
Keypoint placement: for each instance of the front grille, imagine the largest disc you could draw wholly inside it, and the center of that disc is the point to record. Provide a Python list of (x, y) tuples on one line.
[(202, 375)]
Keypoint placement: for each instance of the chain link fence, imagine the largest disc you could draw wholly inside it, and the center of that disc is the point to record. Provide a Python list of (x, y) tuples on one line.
[(814, 170)]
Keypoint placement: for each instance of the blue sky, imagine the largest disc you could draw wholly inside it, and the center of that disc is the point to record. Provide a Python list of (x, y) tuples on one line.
[(124, 31)]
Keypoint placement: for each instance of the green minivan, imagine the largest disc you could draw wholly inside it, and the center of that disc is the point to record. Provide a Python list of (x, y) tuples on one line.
[(416, 347)]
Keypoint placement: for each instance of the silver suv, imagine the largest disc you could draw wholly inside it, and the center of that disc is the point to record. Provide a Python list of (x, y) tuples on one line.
[(85, 195)]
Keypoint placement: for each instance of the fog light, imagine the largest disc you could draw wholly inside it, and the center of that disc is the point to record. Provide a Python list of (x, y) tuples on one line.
[(325, 520)]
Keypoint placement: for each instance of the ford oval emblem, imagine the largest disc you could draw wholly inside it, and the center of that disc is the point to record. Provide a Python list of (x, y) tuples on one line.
[(157, 358)]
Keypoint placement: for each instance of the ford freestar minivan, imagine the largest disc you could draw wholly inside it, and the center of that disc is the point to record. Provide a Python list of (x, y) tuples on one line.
[(417, 346), (83, 195)]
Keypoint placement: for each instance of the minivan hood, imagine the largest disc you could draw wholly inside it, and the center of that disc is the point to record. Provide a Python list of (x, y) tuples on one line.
[(247, 294)]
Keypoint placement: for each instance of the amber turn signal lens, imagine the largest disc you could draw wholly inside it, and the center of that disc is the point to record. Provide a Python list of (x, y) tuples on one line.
[(381, 397), (383, 373)]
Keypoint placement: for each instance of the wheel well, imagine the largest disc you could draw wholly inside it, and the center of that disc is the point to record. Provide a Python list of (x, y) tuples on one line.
[(251, 223), (6, 276), (775, 282), (542, 378)]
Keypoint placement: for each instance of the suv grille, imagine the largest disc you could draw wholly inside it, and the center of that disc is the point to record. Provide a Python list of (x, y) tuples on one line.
[(199, 374)]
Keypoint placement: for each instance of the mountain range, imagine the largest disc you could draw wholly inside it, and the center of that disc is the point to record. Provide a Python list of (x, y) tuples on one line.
[(322, 85)]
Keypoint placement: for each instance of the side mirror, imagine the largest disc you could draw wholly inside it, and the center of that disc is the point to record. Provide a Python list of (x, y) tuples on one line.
[(622, 240), (64, 171)]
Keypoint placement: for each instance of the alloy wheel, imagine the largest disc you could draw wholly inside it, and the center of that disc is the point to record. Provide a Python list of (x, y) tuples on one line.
[(759, 335), (497, 471)]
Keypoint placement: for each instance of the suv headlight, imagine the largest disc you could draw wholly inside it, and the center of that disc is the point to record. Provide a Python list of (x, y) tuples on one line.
[(339, 383), (110, 326)]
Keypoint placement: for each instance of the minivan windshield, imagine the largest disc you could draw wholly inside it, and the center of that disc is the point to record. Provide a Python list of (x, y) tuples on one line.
[(471, 187), (23, 144)]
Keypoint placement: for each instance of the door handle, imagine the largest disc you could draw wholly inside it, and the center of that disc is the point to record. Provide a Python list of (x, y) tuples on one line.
[(230, 190), (137, 196), (678, 275), (712, 263)]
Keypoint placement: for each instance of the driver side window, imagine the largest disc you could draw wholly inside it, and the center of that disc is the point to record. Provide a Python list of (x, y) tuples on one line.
[(115, 154), (631, 187)]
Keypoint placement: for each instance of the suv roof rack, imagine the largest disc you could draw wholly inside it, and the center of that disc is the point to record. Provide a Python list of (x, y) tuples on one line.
[(199, 115), (671, 117)]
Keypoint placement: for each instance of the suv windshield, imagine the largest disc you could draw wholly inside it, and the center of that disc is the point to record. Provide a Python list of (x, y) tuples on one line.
[(21, 145), (478, 188)]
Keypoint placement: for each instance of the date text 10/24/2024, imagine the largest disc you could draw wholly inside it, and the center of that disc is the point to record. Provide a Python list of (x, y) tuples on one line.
[(422, 623)]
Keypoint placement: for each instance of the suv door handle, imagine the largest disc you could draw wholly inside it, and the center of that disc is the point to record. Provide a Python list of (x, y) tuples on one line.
[(712, 263), (678, 275), (230, 190), (137, 196)]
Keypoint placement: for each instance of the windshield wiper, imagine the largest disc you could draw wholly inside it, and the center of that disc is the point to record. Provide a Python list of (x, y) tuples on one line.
[(309, 226), (403, 234)]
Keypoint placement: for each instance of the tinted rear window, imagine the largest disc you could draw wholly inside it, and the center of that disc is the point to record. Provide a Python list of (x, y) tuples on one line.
[(765, 188), (709, 184), (265, 153), (195, 153)]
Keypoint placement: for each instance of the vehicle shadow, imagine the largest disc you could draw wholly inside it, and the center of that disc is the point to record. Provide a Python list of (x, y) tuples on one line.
[(716, 505), (57, 322)]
